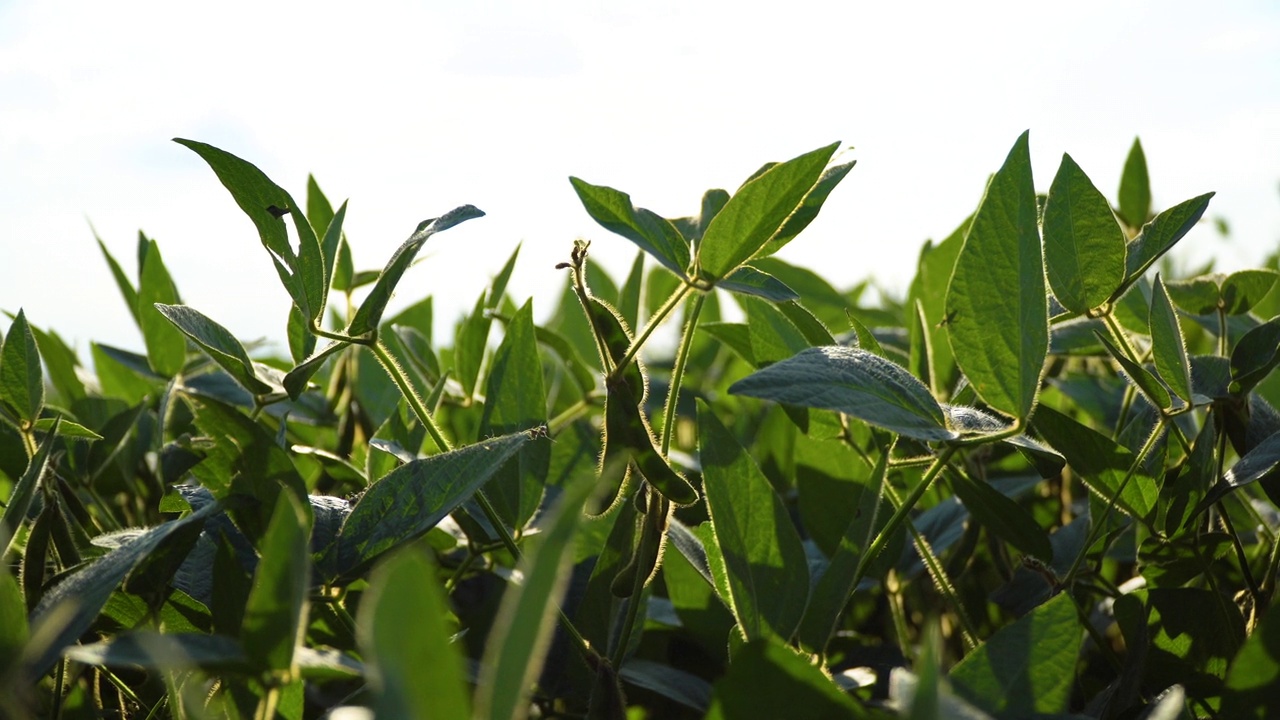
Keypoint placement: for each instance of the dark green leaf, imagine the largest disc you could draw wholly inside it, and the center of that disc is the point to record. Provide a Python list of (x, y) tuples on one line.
[(769, 680), (413, 498), (1098, 461), (808, 209), (1146, 382), (330, 243), (929, 288), (303, 273), (166, 347), (155, 651), (1168, 347), (758, 212), (855, 382), (1255, 355), (1197, 296), (653, 234), (750, 281), (1161, 234), (997, 308), (413, 669), (219, 344), (13, 622), (766, 565), (468, 347), (1251, 687), (1084, 247), (629, 295), (521, 632), (21, 375), (127, 291), (1005, 518), (1258, 464), (276, 615), (1135, 188), (1027, 667), (515, 401), (1193, 635), (65, 428), (61, 363), (773, 336), (369, 315), (1243, 289), (295, 381), (683, 687), (19, 501), (499, 286), (75, 602)]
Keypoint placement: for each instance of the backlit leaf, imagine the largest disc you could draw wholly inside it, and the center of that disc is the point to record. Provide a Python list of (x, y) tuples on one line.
[(652, 233), (1168, 347), (1135, 188), (21, 375), (218, 344), (1084, 247)]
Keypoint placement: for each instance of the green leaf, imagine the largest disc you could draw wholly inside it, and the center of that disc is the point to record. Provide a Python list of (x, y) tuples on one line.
[(855, 382), (1258, 464), (369, 316), (1026, 667), (651, 233), (1004, 517), (319, 209), (1084, 247), (61, 363), (469, 344), (218, 344), (1243, 289), (73, 604), (1193, 635), (1168, 347), (24, 491), (1255, 355), (766, 564), (521, 633), (21, 375), (1251, 687), (629, 295), (769, 680), (295, 381), (499, 286), (693, 228), (832, 590), (996, 304), (1197, 296), (416, 496), (747, 280), (1135, 188), (65, 428), (330, 243), (514, 401), (1142, 378), (808, 209), (302, 273), (758, 212), (773, 336), (1098, 461), (1159, 235), (127, 291), (275, 616), (412, 668), (166, 347), (13, 622)]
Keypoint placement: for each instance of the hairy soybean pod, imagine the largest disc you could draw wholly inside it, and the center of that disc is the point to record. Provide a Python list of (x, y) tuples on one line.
[(644, 562), (613, 331), (625, 421)]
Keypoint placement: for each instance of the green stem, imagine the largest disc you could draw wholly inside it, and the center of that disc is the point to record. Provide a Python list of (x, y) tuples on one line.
[(653, 324), (1241, 556), (573, 412), (656, 504), (677, 370), (899, 515), (1222, 331)]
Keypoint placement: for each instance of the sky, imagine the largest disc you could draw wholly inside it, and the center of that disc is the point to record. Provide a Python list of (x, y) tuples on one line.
[(409, 109)]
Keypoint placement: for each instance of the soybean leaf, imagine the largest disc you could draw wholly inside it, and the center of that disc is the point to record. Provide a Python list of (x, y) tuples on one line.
[(1260, 463), (757, 213), (652, 233), (693, 228), (767, 569), (166, 347), (1196, 296), (412, 668), (275, 615), (19, 501), (65, 428), (997, 304), (521, 633), (1255, 355), (929, 289), (369, 315), (302, 273), (416, 496), (1084, 247), (809, 207), (1135, 188), (514, 401), (683, 687), (1182, 494), (747, 280), (1159, 235), (1192, 636), (1243, 289), (319, 211), (127, 290), (1142, 378), (1099, 461), (1168, 347), (1251, 690), (855, 382), (21, 375), (573, 362), (330, 243), (629, 294), (773, 336), (769, 680), (498, 287), (73, 604), (469, 344), (1005, 518), (1026, 667), (14, 632), (218, 344), (295, 381), (61, 363)]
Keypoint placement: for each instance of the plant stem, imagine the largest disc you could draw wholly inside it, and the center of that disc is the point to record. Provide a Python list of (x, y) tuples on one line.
[(658, 507), (677, 370), (571, 413)]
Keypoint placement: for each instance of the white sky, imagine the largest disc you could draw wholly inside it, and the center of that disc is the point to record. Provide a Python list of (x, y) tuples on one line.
[(410, 109)]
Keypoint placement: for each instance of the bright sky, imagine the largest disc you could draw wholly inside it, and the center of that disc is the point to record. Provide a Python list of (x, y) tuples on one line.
[(412, 108)]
